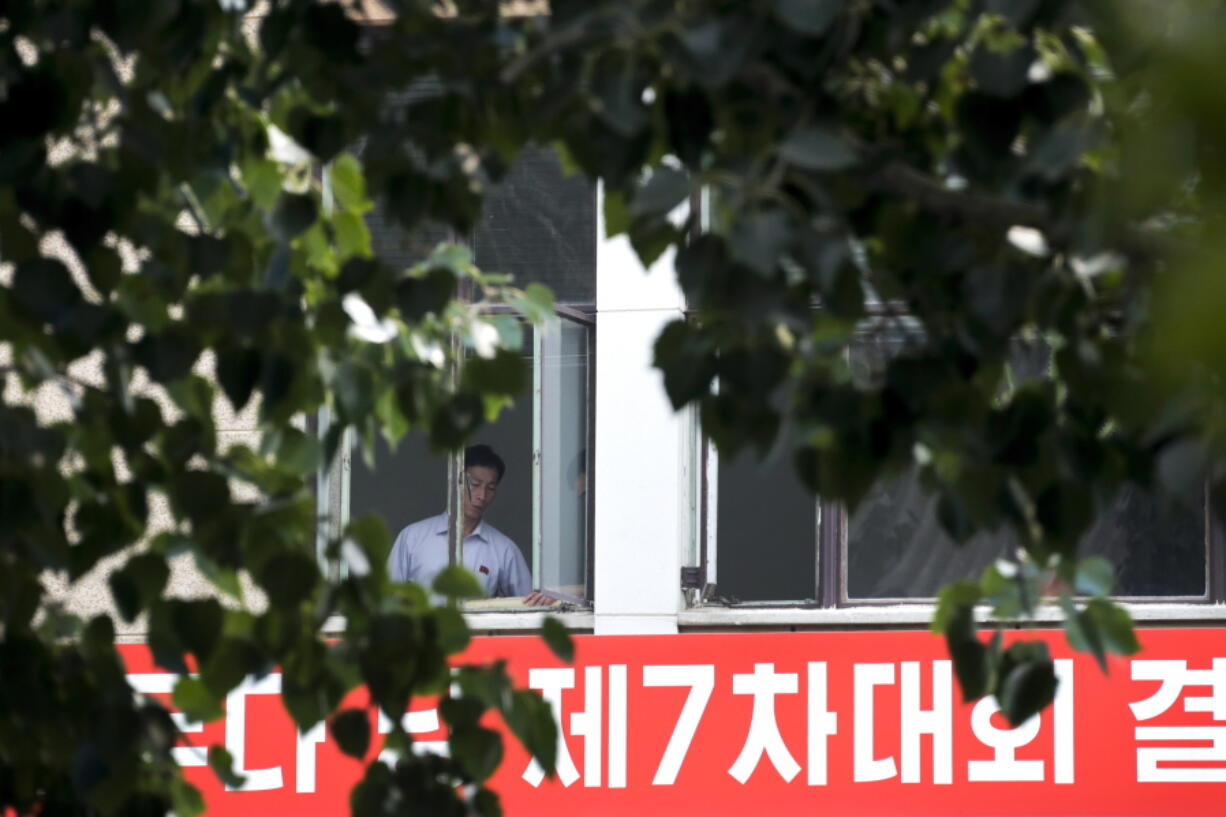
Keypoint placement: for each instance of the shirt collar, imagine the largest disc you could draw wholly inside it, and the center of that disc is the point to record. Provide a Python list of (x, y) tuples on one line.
[(441, 528)]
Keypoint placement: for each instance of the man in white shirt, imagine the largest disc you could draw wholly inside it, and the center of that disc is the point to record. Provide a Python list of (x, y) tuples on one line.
[(420, 551)]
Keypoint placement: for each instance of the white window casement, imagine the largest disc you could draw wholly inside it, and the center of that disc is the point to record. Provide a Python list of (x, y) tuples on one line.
[(539, 226)]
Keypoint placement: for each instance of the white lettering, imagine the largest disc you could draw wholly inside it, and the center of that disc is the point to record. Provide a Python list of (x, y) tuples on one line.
[(236, 732), (587, 724), (764, 738), (617, 726), (822, 723), (163, 683), (1004, 764), (304, 757), (700, 678), (1175, 677), (551, 682), (937, 722), (866, 766)]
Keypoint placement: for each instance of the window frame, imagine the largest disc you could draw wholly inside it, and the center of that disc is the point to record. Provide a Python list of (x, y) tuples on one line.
[(333, 482), (831, 580)]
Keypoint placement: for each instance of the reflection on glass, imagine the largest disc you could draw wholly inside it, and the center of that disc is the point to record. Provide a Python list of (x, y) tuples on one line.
[(1158, 547), (896, 549), (511, 436), (538, 224), (562, 445), (766, 532)]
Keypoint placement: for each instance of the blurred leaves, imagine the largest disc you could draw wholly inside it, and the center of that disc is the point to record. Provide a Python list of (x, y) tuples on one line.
[(859, 166)]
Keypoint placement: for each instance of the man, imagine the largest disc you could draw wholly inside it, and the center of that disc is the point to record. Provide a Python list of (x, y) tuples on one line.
[(420, 551)]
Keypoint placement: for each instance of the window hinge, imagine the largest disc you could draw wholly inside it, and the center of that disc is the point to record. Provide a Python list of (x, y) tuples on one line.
[(691, 578)]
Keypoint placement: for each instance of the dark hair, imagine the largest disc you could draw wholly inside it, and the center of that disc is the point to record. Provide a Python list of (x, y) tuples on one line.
[(484, 456)]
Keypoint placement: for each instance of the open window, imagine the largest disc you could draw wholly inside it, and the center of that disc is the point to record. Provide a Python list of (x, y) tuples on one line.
[(538, 225)]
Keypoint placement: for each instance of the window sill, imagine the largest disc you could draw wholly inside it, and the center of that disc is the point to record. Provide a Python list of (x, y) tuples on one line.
[(908, 615), (526, 620), (510, 621)]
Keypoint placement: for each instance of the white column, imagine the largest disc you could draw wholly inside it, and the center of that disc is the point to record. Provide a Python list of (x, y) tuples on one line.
[(640, 486)]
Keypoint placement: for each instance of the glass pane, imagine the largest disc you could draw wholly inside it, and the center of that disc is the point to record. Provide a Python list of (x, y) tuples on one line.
[(766, 532), (1158, 548), (408, 488), (897, 549), (506, 517), (564, 459), (540, 225), (405, 486)]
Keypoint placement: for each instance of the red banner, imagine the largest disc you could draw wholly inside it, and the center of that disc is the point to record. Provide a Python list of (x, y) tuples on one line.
[(853, 723)]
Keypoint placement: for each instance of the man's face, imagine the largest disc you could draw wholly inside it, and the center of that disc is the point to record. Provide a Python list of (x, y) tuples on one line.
[(482, 486)]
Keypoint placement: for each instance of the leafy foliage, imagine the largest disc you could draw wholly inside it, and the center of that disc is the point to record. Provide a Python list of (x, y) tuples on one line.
[(868, 167)]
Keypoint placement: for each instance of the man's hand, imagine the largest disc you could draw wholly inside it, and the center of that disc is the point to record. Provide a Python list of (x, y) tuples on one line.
[(538, 598)]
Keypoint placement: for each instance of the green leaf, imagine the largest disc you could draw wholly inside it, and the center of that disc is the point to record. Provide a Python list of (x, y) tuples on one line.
[(1028, 682), (1002, 74), (44, 290), (531, 720), (556, 636), (952, 598), (262, 179), (139, 583), (289, 578), (616, 216), (231, 662), (352, 234), (453, 633), (973, 662), (477, 749), (196, 623), (810, 17), (485, 803), (1115, 625), (1094, 577), (222, 763), (457, 582), (760, 238), (294, 214), (1003, 593), (1082, 633), (650, 238), (187, 800), (818, 148), (168, 355), (486, 683), (224, 579), (198, 495), (298, 451), (348, 183), (664, 190), (196, 701), (419, 296), (536, 304), (351, 728), (370, 532), (503, 374), (238, 370)]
